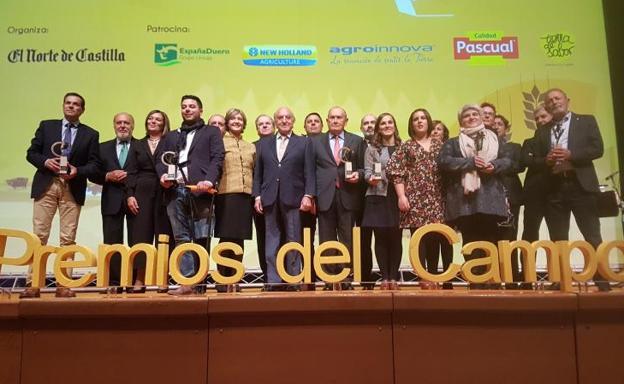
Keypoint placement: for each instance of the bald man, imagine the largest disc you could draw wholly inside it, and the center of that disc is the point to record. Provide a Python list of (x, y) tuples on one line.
[(112, 176)]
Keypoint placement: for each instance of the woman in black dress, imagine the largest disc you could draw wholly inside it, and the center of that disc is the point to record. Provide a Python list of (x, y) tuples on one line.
[(381, 212), (144, 195)]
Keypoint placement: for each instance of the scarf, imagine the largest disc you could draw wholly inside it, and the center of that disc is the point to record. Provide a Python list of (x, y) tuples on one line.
[(184, 131), (476, 141)]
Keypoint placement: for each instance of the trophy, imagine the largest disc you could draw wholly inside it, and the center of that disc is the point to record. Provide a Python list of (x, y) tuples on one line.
[(58, 150), (345, 156), (170, 159), (376, 171)]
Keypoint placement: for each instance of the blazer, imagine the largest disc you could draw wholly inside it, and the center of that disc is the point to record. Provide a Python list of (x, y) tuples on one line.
[(489, 199), (536, 176), (84, 156), (511, 180), (113, 194), (584, 143), (205, 156), (286, 181), (142, 179), (327, 171)]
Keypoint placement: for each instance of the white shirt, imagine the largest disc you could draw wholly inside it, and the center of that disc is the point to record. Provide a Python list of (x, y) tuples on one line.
[(183, 156)]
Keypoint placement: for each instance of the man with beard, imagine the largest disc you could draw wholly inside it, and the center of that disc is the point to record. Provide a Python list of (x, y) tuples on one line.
[(199, 158), (566, 148)]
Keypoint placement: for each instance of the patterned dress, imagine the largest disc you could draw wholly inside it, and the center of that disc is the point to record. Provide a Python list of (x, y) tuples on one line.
[(417, 170)]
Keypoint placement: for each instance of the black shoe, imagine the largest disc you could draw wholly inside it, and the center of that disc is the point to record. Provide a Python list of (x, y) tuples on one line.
[(346, 286), (328, 287), (447, 285), (293, 288), (603, 286)]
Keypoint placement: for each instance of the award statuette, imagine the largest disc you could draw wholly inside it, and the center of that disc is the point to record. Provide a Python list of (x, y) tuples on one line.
[(376, 171), (58, 150), (170, 159), (345, 156)]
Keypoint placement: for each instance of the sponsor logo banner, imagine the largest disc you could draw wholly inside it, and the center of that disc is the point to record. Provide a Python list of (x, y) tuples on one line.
[(81, 55), (280, 55), (486, 48), (167, 54), (558, 47), (381, 54)]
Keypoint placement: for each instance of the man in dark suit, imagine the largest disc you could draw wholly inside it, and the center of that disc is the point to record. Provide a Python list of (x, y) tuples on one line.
[(283, 184), (55, 188), (566, 149), (339, 196), (265, 126), (199, 152), (112, 177), (534, 195)]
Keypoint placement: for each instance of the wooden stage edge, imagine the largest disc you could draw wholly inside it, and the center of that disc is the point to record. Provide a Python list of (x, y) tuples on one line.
[(403, 336)]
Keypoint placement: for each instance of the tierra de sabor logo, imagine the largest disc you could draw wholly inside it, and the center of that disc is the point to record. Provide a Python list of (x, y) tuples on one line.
[(80, 55)]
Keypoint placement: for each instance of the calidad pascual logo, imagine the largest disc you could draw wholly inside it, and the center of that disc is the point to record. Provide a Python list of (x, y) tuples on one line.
[(167, 54), (485, 48), (279, 55)]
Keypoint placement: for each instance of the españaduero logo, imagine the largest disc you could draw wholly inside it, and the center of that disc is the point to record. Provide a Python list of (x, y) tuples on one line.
[(486, 48), (167, 54), (279, 55)]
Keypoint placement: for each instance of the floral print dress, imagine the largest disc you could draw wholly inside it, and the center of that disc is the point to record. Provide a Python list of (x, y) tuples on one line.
[(417, 169)]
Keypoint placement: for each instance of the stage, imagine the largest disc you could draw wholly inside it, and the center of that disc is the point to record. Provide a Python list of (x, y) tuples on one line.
[(405, 336)]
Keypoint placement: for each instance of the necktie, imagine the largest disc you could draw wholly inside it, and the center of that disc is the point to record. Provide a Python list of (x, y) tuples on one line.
[(558, 132), (123, 153), (337, 149), (282, 147), (67, 136)]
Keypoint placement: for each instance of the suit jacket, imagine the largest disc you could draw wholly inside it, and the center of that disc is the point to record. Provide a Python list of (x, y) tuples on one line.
[(205, 156), (84, 156), (536, 177), (585, 145), (143, 182), (288, 180), (327, 171), (511, 180), (113, 194)]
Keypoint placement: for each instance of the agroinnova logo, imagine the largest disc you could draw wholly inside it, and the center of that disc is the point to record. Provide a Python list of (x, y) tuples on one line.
[(485, 48)]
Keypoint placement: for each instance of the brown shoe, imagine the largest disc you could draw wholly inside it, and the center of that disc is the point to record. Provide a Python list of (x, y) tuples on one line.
[(30, 293), (394, 285), (64, 292), (182, 290)]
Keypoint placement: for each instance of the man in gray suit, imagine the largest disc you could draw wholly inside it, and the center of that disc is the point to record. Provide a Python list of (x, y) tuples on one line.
[(566, 148), (339, 195)]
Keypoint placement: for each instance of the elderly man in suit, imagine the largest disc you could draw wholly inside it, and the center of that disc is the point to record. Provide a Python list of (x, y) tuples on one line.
[(60, 187), (566, 148), (283, 185), (112, 176), (199, 158), (339, 195)]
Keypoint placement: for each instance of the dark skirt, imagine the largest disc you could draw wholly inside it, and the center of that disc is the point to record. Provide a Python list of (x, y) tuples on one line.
[(233, 214), (381, 211)]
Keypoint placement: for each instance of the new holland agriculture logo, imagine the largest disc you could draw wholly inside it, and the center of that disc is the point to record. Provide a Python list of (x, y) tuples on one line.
[(279, 55), (166, 54), (408, 7), (487, 48)]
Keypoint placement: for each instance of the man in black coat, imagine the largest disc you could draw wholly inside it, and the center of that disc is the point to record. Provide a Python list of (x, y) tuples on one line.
[(60, 187), (112, 177), (199, 156)]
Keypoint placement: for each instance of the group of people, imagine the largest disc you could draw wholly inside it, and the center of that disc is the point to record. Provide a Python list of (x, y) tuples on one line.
[(174, 181)]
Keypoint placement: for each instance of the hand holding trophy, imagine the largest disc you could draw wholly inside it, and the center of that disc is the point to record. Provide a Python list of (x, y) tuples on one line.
[(59, 150)]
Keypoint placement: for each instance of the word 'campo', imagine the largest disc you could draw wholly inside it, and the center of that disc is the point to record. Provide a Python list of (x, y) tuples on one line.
[(160, 264)]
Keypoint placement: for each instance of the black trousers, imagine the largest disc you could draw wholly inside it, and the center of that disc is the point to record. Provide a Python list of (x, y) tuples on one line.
[(113, 230), (432, 246), (479, 227), (336, 224)]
